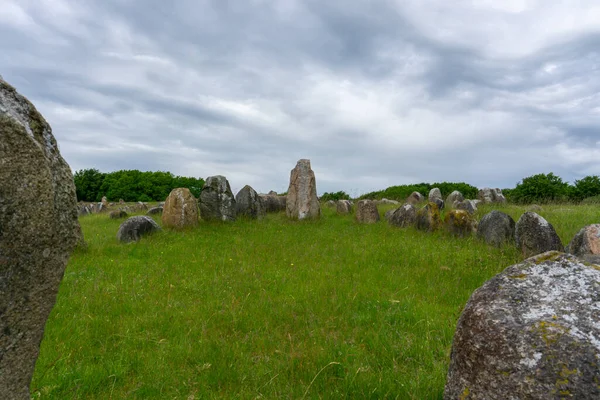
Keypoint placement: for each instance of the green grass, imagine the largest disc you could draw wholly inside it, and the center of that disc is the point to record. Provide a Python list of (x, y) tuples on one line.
[(267, 309)]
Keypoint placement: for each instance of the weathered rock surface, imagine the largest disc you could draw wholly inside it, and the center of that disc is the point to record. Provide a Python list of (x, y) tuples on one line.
[(216, 200), (534, 235), (415, 197), (134, 228), (180, 210), (491, 196), (469, 206), (439, 202), (273, 202), (428, 218), (302, 200), (155, 210), (104, 201), (530, 332), (387, 201), (586, 243), (496, 228), (249, 203), (404, 216), (366, 212), (459, 223), (454, 196), (117, 214), (344, 207), (434, 193), (38, 232)]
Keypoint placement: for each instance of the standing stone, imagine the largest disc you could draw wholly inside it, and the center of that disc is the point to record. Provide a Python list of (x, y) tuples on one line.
[(530, 332), (121, 201), (535, 235), (366, 212), (104, 202), (459, 223), (428, 218), (469, 206), (454, 196), (302, 201), (404, 216), (180, 210), (249, 203), (344, 207), (330, 204), (586, 243), (38, 232), (133, 228), (117, 214), (414, 198), (273, 202), (216, 200), (496, 228), (155, 210), (491, 196), (434, 193), (438, 202)]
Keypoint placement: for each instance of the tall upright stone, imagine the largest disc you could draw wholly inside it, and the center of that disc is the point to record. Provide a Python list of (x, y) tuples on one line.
[(180, 210), (302, 200), (216, 200), (249, 203), (38, 232)]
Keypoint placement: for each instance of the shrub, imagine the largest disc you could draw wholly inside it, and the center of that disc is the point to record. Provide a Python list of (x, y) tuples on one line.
[(586, 188), (540, 188), (401, 192), (341, 195)]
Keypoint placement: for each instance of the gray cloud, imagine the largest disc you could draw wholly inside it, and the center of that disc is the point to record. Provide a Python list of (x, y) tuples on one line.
[(374, 93)]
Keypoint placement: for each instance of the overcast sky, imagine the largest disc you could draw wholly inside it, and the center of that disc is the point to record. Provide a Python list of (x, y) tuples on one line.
[(374, 93)]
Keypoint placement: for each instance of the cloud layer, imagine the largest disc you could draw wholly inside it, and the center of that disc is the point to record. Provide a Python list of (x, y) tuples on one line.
[(375, 93)]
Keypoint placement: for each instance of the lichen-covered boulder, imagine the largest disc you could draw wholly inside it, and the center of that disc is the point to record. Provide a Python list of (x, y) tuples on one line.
[(434, 193), (216, 200), (459, 223), (586, 243), (496, 228), (454, 196), (469, 206), (302, 200), (155, 210), (134, 228), (439, 202), (530, 332), (491, 196), (414, 198), (117, 214), (344, 207), (273, 202), (249, 203), (366, 212), (428, 218), (180, 210), (534, 235), (38, 232), (404, 216)]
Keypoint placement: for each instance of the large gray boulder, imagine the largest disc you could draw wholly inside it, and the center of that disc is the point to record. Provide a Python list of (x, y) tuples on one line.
[(134, 228), (496, 228), (366, 212), (491, 196), (273, 203), (535, 235), (434, 193), (428, 218), (180, 210), (459, 223), (454, 196), (469, 206), (216, 200), (249, 203), (530, 332), (586, 243), (414, 198), (302, 200), (38, 232), (344, 207), (404, 216)]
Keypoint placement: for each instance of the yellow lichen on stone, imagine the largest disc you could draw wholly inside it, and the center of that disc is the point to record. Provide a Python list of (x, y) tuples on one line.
[(465, 394)]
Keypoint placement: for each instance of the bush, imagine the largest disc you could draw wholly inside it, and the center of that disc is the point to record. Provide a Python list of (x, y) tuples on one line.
[(341, 195), (591, 200), (587, 187), (540, 188), (400, 193)]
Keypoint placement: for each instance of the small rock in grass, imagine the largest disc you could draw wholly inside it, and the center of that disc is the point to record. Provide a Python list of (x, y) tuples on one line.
[(133, 228)]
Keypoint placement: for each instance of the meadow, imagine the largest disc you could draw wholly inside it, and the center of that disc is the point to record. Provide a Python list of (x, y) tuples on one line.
[(268, 309)]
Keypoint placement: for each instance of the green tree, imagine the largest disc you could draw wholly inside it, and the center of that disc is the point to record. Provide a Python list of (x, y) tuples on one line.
[(540, 188), (88, 183), (586, 187)]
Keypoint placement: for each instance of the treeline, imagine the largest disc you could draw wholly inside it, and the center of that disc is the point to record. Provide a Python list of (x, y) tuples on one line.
[(547, 188), (131, 185), (401, 192)]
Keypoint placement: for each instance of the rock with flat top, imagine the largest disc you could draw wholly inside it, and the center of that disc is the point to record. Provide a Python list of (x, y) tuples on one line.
[(302, 201)]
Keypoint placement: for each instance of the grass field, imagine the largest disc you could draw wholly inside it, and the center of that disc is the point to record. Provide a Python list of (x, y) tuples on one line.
[(267, 309)]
